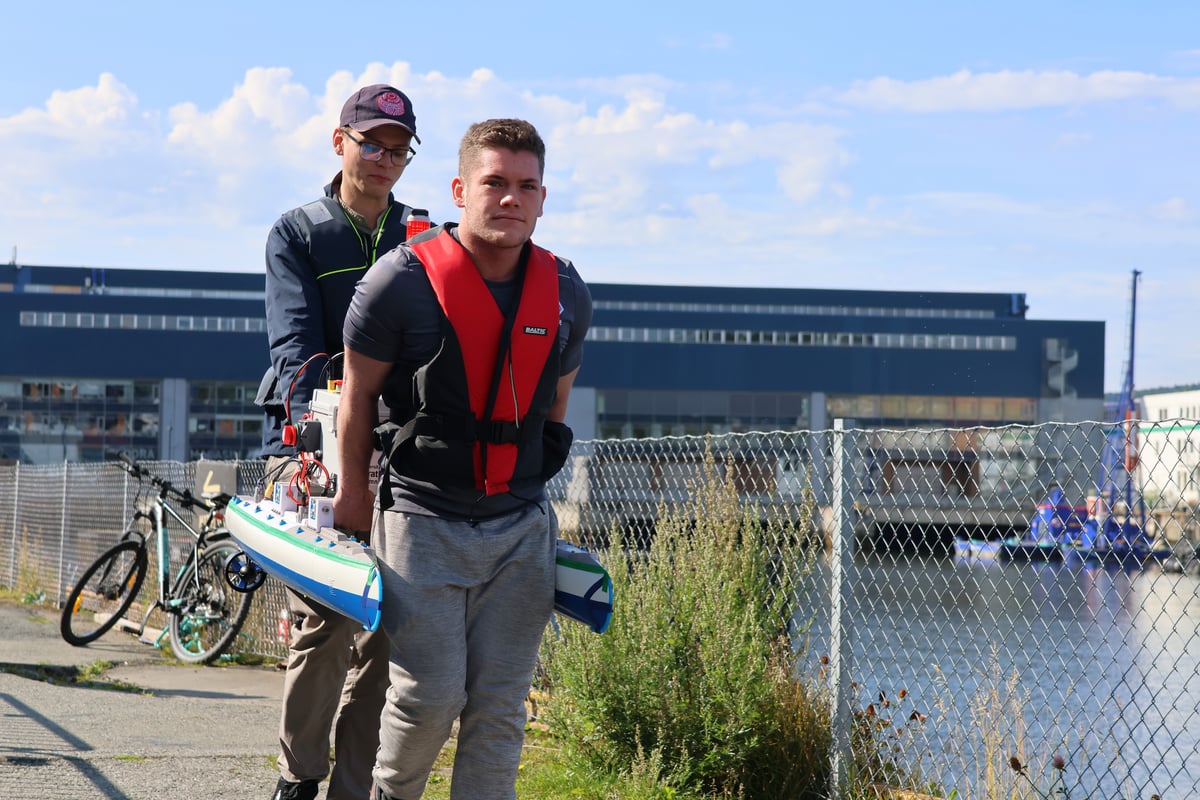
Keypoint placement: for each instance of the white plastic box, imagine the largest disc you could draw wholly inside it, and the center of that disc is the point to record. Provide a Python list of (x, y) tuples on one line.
[(320, 512), (324, 408), (282, 500)]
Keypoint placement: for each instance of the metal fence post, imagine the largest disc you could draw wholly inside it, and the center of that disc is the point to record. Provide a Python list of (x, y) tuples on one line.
[(125, 510), (841, 562), (12, 569), (62, 535)]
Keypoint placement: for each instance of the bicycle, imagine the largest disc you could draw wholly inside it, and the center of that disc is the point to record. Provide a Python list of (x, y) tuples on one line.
[(204, 614)]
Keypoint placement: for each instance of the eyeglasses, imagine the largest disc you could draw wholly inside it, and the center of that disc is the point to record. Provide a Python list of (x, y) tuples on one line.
[(369, 151)]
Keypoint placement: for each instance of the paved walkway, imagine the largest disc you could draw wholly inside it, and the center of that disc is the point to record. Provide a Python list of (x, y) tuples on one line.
[(184, 733)]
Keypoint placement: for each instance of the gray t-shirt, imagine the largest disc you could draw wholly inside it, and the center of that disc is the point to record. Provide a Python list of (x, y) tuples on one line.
[(395, 317)]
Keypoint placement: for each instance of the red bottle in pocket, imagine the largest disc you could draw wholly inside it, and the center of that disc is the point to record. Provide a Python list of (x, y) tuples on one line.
[(418, 221)]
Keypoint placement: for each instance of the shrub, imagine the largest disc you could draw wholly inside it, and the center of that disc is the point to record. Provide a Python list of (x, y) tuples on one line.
[(695, 678)]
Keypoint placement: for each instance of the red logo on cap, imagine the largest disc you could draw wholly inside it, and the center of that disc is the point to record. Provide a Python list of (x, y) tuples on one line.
[(391, 104)]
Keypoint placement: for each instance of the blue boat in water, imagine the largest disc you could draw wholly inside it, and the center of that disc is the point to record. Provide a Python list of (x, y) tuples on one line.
[(1113, 524), (1107, 528), (1055, 523)]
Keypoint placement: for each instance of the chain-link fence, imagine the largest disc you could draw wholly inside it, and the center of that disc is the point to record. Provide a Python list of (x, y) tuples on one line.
[(55, 520), (986, 593)]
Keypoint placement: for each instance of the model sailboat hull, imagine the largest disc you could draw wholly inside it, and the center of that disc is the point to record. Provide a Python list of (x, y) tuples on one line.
[(327, 566), (583, 589)]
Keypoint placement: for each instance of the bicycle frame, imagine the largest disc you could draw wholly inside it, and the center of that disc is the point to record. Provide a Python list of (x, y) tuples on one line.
[(161, 510), (205, 603)]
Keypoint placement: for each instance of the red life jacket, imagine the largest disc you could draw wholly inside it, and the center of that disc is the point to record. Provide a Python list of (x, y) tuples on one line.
[(473, 396)]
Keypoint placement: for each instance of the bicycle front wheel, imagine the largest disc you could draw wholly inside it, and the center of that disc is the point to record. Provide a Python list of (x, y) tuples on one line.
[(104, 593), (206, 613)]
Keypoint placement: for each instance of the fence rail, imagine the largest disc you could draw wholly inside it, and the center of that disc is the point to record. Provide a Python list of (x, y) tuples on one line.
[(980, 648)]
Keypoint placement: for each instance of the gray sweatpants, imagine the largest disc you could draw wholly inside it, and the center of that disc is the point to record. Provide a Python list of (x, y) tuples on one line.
[(464, 605)]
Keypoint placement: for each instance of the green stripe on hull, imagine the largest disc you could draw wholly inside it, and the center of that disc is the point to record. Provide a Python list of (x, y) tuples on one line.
[(293, 539)]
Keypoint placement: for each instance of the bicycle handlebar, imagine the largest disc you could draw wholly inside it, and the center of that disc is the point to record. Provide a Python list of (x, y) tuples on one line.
[(183, 496)]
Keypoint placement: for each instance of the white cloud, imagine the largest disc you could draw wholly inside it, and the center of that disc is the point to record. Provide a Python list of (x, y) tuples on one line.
[(1175, 209), (215, 177), (91, 119), (1070, 140), (236, 134), (107, 105), (981, 203), (1185, 59), (1008, 90), (620, 153), (717, 41)]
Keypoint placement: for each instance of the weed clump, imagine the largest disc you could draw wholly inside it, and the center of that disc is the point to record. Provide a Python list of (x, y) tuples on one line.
[(694, 685)]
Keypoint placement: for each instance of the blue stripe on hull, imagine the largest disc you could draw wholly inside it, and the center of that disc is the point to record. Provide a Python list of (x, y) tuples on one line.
[(364, 608), (593, 613)]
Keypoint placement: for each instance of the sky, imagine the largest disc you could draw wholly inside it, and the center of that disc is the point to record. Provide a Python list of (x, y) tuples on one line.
[(1042, 148)]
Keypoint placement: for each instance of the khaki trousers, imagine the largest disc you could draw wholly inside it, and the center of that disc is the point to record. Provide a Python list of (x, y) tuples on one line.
[(335, 685), (336, 681)]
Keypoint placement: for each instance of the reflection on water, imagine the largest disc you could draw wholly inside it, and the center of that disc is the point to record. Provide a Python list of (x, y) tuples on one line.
[(1105, 662)]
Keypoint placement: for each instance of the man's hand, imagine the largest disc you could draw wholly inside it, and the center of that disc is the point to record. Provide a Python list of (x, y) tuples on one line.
[(352, 510)]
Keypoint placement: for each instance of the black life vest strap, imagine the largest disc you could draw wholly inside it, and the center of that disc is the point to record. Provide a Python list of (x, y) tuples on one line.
[(465, 429)]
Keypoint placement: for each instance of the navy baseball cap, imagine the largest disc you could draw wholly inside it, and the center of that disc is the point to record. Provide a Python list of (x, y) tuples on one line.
[(379, 104)]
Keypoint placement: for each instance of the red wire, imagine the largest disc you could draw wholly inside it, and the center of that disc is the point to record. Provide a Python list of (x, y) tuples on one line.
[(287, 401), (300, 481), (298, 486)]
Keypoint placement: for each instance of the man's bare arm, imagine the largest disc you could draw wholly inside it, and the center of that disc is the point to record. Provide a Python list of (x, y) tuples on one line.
[(558, 410), (362, 381)]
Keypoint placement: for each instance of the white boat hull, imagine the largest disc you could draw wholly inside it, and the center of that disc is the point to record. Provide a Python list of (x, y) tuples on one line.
[(336, 570)]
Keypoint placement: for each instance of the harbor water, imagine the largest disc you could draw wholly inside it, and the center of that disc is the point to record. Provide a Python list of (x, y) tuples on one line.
[(1094, 663)]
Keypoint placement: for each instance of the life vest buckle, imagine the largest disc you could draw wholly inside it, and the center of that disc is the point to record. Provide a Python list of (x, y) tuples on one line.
[(498, 432)]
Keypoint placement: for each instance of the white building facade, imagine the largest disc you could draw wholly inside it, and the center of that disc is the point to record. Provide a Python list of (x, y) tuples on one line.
[(1169, 455)]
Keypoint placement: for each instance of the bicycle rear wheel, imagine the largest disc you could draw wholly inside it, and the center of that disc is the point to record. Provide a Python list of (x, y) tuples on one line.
[(208, 614), (104, 593)]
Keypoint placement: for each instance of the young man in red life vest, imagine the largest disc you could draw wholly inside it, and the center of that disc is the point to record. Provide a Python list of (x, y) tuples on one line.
[(473, 335)]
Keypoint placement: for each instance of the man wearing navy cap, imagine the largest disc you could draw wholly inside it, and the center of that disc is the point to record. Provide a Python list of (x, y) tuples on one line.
[(315, 255)]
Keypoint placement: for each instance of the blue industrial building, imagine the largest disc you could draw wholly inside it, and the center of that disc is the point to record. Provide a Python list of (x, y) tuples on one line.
[(166, 363)]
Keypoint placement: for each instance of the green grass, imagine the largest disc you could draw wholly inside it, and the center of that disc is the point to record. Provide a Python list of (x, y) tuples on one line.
[(547, 772), (90, 676), (235, 659), (23, 596)]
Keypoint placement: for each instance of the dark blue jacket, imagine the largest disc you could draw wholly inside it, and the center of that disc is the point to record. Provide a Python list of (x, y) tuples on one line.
[(315, 256)]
